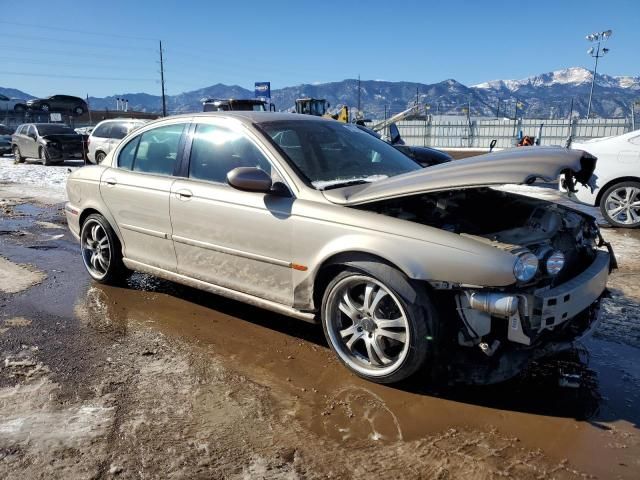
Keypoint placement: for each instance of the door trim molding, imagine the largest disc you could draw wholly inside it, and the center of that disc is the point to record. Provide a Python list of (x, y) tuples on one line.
[(146, 231)]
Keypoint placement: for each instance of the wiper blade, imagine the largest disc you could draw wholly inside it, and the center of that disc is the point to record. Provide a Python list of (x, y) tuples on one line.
[(347, 183)]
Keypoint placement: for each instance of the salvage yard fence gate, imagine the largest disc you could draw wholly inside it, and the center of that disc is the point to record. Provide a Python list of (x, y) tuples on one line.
[(478, 133)]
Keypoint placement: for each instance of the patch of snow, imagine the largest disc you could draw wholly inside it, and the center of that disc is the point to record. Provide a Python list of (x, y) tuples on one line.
[(52, 178)]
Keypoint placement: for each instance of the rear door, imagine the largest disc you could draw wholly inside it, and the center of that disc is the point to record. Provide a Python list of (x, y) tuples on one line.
[(235, 239), (137, 193)]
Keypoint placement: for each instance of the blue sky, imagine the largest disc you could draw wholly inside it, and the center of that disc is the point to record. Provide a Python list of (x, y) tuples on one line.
[(109, 47)]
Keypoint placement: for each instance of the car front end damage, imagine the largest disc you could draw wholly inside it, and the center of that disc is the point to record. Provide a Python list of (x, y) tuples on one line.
[(561, 267)]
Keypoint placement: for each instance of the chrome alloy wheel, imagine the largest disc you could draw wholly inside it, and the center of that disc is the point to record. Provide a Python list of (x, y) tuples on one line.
[(96, 249), (367, 325), (623, 205)]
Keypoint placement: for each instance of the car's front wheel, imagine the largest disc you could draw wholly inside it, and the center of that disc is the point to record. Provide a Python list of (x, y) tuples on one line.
[(620, 204), (44, 107), (44, 156), (383, 331), (101, 251), (100, 157), (78, 110)]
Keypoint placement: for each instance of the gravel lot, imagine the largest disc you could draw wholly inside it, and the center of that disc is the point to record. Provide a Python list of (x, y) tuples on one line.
[(156, 380)]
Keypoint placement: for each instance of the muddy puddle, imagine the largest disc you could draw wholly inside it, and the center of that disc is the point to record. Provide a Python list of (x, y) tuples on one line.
[(169, 368), (591, 421)]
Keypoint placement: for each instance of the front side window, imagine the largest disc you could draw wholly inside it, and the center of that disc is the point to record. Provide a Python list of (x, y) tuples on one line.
[(216, 151), (332, 154), (158, 150), (119, 130), (32, 130)]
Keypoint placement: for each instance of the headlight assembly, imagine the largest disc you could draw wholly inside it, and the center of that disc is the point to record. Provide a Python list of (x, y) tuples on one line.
[(555, 263), (525, 267)]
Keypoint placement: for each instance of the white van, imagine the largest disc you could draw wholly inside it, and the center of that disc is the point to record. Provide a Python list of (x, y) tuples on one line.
[(107, 134)]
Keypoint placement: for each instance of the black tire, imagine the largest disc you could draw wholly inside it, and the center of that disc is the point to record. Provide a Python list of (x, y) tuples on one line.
[(17, 157), (78, 111), (610, 198), (45, 107), (43, 154), (116, 273), (19, 108), (100, 157), (421, 323)]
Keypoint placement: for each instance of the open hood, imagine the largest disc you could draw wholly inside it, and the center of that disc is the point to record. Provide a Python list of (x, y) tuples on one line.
[(512, 166)]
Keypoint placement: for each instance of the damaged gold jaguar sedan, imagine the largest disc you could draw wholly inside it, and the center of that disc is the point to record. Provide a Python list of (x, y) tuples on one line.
[(407, 268)]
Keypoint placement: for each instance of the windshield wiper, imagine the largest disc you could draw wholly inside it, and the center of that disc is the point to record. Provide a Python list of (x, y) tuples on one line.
[(346, 183)]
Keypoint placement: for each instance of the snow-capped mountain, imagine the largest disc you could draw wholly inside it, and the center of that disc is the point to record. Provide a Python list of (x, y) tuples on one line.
[(567, 76), (540, 96)]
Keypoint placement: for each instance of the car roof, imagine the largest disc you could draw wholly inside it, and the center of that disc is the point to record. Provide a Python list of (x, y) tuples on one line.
[(255, 117), (122, 119)]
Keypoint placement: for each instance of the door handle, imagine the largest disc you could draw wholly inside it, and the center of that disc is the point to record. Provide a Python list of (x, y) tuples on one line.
[(184, 194), (110, 181)]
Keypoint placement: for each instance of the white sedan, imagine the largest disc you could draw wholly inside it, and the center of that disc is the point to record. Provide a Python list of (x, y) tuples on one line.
[(617, 178), (11, 104)]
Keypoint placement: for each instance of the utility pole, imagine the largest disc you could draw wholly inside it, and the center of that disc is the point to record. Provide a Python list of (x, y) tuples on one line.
[(358, 93), (596, 53), (164, 102)]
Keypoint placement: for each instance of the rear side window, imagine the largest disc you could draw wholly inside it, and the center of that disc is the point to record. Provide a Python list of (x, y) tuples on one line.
[(102, 131), (128, 153), (158, 150), (215, 151)]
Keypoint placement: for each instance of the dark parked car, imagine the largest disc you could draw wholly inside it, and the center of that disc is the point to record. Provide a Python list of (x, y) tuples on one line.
[(425, 156), (59, 103), (50, 142)]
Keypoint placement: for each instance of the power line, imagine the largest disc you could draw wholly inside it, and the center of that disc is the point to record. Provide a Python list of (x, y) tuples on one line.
[(72, 65), (75, 42), (83, 32), (31, 74), (74, 53)]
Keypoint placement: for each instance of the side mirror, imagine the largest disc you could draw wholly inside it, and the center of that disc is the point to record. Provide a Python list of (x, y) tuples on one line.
[(250, 179), (394, 134)]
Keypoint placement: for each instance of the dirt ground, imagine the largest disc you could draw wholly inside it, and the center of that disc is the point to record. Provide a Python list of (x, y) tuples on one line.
[(156, 380)]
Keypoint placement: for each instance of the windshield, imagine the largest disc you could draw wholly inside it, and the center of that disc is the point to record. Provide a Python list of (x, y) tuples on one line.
[(334, 154), (53, 129)]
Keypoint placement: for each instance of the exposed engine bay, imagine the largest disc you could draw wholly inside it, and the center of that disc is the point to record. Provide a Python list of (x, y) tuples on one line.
[(507, 221), (564, 241)]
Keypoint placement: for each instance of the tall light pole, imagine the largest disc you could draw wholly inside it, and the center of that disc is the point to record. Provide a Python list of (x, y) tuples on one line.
[(596, 52)]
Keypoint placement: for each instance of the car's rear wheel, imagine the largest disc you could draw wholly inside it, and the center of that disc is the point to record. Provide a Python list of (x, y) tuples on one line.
[(100, 157), (17, 156), (101, 251), (19, 108), (620, 204), (44, 156), (44, 107), (78, 110), (383, 331)]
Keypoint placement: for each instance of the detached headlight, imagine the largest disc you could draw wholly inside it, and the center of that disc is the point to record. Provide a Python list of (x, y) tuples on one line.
[(526, 267), (555, 263)]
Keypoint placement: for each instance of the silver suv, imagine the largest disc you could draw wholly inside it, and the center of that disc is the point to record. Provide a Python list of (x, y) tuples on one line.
[(107, 134)]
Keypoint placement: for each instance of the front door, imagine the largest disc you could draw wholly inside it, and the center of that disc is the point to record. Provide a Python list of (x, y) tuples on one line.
[(235, 239), (137, 193)]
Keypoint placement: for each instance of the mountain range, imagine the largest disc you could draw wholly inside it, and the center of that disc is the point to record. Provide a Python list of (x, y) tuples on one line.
[(540, 96)]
